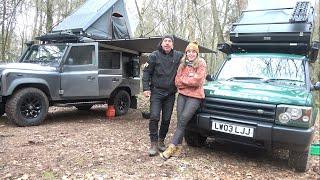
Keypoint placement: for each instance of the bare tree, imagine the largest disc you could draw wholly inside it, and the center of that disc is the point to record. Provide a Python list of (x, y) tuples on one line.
[(49, 14), (8, 19), (35, 19), (140, 30), (218, 27)]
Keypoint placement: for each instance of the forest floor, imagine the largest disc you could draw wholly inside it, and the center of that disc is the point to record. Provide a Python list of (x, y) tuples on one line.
[(74, 144)]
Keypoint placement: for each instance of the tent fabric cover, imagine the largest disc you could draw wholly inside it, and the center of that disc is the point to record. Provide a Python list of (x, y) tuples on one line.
[(149, 44), (119, 28), (95, 17)]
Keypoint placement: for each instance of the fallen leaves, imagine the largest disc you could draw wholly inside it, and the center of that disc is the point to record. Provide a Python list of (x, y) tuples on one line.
[(74, 144)]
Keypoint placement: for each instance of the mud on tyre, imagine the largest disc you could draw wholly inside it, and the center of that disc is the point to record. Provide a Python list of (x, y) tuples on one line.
[(194, 139), (299, 160), (27, 107), (121, 102)]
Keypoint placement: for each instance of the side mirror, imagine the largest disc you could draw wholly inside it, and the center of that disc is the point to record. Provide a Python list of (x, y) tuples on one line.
[(225, 48), (314, 51), (135, 67), (209, 77), (70, 61), (29, 43), (316, 86)]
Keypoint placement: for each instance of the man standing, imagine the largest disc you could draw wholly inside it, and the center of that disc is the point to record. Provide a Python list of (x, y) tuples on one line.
[(158, 82)]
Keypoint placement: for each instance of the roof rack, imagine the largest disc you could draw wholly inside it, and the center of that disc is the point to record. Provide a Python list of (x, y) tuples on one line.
[(310, 51), (58, 37), (301, 12), (275, 30)]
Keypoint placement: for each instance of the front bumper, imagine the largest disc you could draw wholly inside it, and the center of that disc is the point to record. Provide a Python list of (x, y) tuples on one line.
[(266, 134)]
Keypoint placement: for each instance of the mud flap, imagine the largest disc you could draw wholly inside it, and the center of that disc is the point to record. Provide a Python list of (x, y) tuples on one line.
[(134, 102)]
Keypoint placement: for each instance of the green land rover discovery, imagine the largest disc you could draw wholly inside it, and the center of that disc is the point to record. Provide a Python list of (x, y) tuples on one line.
[(262, 95)]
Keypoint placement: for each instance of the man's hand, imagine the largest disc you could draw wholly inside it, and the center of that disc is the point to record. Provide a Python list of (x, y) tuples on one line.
[(147, 93)]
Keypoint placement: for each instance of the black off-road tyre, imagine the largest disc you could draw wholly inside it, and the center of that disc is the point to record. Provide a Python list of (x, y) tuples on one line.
[(84, 107), (299, 160), (27, 107), (194, 139), (121, 102)]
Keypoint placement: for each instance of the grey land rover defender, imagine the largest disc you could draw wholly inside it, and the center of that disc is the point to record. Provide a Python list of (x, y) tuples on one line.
[(78, 74), (88, 58)]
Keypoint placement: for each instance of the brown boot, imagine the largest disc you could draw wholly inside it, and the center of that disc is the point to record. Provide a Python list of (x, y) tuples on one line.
[(153, 150), (161, 145), (178, 151), (168, 152)]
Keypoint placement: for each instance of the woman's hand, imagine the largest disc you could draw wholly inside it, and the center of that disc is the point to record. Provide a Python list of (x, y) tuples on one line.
[(191, 74)]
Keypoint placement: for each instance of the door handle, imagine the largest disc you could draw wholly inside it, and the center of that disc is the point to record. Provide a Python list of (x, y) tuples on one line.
[(90, 78), (115, 79)]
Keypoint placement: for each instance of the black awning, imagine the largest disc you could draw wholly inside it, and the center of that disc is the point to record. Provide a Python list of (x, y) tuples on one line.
[(149, 44)]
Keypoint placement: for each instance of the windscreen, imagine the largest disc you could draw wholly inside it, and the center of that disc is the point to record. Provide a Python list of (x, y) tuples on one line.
[(50, 55), (266, 69)]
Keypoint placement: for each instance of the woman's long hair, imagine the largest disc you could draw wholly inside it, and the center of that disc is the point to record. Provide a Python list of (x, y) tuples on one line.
[(183, 63)]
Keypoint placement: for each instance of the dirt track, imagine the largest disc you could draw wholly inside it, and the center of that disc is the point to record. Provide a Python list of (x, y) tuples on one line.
[(74, 144)]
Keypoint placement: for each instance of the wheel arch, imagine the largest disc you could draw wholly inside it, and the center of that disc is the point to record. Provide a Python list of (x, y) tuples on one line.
[(114, 92), (41, 86)]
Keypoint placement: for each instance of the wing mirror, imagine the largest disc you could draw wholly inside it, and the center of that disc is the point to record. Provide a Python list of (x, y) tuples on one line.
[(209, 77), (70, 61), (313, 54), (225, 48), (29, 43), (316, 86)]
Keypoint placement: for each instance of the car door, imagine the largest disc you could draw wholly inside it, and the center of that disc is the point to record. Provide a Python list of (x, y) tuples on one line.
[(110, 71), (79, 76)]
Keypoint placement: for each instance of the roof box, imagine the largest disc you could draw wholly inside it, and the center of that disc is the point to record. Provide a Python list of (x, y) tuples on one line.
[(283, 25)]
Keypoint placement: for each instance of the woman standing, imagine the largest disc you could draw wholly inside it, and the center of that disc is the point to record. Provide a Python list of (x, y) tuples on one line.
[(189, 82)]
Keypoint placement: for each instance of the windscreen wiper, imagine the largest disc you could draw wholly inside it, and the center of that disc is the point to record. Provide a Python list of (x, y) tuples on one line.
[(244, 78), (282, 79)]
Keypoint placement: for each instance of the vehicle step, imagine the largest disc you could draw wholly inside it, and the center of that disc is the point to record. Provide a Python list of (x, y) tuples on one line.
[(79, 103)]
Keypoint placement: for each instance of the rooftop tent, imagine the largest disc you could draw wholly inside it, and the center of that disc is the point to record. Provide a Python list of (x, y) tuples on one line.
[(99, 19), (289, 25)]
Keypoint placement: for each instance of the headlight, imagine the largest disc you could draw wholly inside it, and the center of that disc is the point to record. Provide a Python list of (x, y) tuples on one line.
[(299, 116), (284, 117), (295, 113)]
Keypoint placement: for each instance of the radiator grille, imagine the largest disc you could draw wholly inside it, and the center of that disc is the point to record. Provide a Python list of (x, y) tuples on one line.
[(232, 109)]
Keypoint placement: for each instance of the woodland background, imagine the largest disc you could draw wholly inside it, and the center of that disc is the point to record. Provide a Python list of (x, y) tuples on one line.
[(207, 21)]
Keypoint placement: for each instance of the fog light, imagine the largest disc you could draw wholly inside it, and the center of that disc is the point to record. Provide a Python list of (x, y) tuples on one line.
[(284, 117)]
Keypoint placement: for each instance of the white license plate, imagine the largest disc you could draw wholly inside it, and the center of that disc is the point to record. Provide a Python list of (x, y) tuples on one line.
[(232, 129)]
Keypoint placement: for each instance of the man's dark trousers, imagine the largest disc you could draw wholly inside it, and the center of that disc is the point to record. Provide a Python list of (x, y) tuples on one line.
[(160, 100)]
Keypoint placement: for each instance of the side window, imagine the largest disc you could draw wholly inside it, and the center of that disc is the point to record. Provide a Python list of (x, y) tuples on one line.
[(81, 55), (109, 60)]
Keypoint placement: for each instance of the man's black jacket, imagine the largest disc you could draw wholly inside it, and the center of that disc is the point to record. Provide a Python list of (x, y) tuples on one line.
[(160, 70)]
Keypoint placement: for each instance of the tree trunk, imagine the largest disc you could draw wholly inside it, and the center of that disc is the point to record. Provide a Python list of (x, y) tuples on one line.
[(198, 21), (3, 45), (319, 23), (49, 14), (35, 20), (189, 24), (40, 23), (216, 21), (227, 3), (140, 26)]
